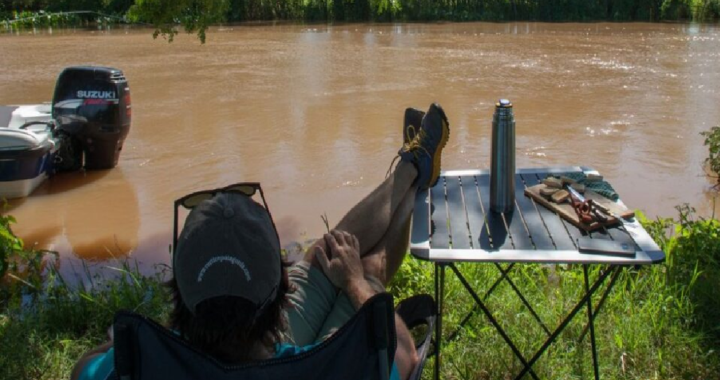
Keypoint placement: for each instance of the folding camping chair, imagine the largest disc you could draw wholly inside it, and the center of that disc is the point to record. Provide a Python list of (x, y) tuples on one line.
[(363, 348)]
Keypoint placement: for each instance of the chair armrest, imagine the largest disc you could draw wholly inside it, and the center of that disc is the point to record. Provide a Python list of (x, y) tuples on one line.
[(416, 310)]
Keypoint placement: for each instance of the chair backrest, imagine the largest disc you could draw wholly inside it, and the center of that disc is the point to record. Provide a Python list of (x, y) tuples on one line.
[(363, 348)]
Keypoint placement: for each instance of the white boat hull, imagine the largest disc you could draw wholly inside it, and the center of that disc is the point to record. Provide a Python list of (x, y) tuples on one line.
[(21, 188), (26, 155)]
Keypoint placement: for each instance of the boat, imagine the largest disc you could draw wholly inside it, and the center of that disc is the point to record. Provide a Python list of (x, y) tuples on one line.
[(83, 128), (27, 149)]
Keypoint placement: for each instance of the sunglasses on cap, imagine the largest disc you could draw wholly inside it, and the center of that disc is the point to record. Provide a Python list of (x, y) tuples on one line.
[(191, 201)]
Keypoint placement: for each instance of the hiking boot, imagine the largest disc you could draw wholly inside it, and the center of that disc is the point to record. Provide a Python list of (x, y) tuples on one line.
[(425, 149), (411, 123)]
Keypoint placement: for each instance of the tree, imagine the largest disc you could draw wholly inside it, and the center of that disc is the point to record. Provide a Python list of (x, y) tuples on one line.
[(195, 16)]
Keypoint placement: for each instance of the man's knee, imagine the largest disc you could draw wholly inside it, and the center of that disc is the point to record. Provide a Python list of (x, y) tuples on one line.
[(310, 252), (375, 265)]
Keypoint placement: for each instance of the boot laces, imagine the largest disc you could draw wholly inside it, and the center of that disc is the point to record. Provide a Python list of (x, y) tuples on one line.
[(408, 136), (415, 146)]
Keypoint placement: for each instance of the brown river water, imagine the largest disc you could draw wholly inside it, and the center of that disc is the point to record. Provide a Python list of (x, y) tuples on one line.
[(314, 112)]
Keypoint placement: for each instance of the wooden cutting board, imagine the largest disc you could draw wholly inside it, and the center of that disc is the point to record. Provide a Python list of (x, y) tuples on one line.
[(567, 212)]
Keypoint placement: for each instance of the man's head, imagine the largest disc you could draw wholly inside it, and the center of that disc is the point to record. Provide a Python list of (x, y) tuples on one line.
[(229, 280)]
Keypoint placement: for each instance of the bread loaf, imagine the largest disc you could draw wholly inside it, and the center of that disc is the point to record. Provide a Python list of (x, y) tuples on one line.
[(553, 182), (548, 191), (560, 196)]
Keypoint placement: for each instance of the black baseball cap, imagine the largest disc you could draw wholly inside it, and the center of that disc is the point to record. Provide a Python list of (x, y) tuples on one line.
[(228, 247)]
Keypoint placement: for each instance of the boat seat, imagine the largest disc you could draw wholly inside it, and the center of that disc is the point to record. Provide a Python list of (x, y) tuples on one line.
[(5, 115), (19, 139)]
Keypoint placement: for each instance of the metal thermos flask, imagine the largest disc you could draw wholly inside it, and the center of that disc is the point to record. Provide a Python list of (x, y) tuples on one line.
[(502, 166)]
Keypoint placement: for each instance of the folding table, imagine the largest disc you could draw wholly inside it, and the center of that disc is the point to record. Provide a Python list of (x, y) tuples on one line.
[(452, 223)]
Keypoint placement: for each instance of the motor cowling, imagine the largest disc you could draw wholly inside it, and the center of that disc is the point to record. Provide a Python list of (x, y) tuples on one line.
[(92, 108)]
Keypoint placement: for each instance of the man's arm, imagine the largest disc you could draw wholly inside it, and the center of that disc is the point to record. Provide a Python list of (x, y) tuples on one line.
[(359, 292), (345, 270), (406, 357)]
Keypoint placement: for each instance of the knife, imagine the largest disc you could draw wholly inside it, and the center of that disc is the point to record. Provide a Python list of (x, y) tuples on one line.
[(596, 204)]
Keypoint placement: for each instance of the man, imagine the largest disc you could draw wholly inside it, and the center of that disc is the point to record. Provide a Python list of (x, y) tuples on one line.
[(234, 298)]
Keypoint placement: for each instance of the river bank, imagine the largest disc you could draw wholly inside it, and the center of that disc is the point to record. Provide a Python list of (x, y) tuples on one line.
[(381, 11), (658, 323)]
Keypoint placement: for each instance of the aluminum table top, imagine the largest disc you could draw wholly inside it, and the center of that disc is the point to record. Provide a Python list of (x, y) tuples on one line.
[(452, 222)]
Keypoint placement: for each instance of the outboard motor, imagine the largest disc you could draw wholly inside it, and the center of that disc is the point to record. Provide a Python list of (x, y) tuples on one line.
[(92, 109)]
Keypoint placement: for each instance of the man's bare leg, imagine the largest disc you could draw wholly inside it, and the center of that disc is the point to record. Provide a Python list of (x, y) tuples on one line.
[(379, 225), (371, 219), (384, 260)]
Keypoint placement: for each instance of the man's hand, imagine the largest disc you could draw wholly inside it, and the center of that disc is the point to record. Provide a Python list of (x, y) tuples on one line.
[(344, 267)]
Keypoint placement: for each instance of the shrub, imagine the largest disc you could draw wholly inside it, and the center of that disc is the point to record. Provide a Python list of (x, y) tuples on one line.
[(712, 141), (693, 264), (22, 270)]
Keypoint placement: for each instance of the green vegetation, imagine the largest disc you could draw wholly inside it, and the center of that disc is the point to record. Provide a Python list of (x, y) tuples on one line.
[(43, 340), (45, 329), (42, 19), (21, 270), (15, 14), (111, 7), (658, 322), (712, 141), (46, 324), (193, 15), (197, 15), (388, 10)]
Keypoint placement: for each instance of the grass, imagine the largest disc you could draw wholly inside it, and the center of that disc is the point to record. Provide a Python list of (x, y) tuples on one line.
[(659, 322), (44, 339)]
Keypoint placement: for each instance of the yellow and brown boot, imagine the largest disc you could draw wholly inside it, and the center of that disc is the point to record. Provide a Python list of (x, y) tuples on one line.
[(425, 148)]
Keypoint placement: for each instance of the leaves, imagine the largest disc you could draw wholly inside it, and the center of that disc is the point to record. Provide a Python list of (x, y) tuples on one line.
[(192, 15), (9, 243), (195, 16), (22, 271), (712, 141), (693, 264)]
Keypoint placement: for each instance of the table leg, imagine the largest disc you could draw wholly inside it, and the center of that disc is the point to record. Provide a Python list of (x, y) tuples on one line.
[(503, 276), (439, 297), (493, 321), (591, 323), (504, 273), (525, 302), (616, 272), (564, 323)]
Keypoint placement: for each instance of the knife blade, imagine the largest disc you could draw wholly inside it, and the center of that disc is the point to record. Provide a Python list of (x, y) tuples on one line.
[(596, 204), (575, 193)]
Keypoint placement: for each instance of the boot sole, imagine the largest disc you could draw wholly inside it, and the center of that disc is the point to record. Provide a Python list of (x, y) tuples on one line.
[(438, 154)]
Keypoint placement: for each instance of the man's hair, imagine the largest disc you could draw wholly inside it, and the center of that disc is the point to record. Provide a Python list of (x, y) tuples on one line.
[(226, 327)]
